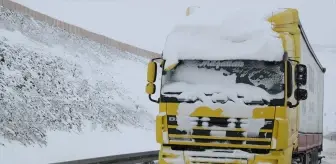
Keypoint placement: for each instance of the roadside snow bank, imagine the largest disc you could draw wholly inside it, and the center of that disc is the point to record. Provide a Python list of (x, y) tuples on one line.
[(239, 34)]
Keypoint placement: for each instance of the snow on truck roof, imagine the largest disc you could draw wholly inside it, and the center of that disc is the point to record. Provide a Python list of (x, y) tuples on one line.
[(208, 34)]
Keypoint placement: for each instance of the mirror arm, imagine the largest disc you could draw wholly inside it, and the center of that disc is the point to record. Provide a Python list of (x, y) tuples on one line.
[(290, 105), (153, 60), (296, 61), (156, 59), (151, 99)]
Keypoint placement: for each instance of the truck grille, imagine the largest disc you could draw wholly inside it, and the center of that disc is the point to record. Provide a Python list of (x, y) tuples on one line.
[(220, 131)]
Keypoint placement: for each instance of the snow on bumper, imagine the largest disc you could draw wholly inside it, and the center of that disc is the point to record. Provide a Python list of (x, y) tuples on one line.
[(169, 156)]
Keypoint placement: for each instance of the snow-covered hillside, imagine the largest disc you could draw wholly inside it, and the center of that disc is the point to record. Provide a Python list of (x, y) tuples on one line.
[(53, 83)]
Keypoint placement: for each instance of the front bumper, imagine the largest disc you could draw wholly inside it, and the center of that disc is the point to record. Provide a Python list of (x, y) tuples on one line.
[(216, 156)]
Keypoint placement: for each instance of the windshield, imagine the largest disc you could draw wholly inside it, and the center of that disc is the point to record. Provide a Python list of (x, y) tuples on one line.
[(253, 82)]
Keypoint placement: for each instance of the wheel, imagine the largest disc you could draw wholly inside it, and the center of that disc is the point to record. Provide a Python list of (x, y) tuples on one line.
[(299, 159), (313, 157)]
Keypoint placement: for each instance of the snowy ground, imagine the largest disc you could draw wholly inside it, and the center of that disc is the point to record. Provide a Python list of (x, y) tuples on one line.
[(105, 75), (329, 151)]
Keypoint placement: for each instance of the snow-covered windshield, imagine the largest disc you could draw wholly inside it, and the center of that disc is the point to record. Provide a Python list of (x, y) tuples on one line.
[(254, 82)]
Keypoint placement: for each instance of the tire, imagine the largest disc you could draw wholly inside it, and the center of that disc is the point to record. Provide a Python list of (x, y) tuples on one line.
[(314, 157)]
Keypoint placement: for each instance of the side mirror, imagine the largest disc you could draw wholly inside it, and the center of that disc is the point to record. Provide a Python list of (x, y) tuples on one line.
[(151, 72), (301, 74), (151, 78), (300, 94), (150, 88)]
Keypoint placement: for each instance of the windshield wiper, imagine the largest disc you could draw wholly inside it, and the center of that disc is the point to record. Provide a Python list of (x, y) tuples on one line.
[(172, 93), (261, 102)]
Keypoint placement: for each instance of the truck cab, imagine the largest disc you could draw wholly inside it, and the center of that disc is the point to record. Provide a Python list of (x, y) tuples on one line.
[(214, 110)]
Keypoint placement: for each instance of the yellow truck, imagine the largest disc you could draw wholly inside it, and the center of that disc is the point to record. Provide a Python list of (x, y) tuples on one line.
[(254, 111)]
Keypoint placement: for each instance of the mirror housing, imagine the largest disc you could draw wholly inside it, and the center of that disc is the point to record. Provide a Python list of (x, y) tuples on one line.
[(150, 88), (300, 94), (151, 72), (151, 78), (301, 74)]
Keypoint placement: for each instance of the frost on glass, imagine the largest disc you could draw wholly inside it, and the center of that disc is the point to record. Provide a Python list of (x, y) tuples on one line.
[(250, 80)]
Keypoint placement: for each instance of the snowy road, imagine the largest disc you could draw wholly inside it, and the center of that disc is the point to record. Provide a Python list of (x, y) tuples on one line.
[(329, 151)]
